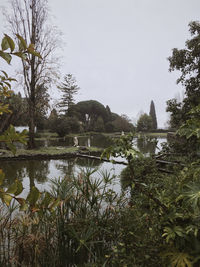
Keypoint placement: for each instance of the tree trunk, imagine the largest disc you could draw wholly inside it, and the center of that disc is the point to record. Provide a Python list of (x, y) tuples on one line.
[(31, 142)]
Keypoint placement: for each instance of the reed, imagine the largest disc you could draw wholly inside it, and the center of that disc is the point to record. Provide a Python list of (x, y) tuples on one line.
[(92, 226)]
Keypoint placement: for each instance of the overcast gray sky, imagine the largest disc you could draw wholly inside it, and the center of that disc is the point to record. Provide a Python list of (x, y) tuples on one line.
[(118, 49)]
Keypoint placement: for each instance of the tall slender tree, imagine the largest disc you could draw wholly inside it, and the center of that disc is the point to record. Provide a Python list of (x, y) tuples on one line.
[(69, 88), (152, 113), (28, 18)]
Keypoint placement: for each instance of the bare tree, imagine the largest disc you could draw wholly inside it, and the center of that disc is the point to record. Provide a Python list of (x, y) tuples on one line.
[(28, 18)]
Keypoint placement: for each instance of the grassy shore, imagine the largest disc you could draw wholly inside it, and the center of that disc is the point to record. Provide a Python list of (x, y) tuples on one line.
[(158, 135), (54, 136), (48, 151)]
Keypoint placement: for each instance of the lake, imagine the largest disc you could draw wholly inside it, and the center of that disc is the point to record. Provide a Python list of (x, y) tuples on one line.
[(40, 172)]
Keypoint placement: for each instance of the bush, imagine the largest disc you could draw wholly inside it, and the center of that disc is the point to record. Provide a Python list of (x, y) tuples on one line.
[(144, 123), (65, 125)]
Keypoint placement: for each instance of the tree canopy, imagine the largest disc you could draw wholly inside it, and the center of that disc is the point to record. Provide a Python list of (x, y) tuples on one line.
[(144, 123), (88, 112), (187, 62)]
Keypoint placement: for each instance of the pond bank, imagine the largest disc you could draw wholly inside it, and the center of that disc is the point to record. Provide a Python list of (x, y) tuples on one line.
[(49, 153)]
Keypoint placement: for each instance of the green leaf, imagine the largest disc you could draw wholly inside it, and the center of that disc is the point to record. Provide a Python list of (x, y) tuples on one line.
[(16, 188), (10, 42), (19, 188), (22, 44), (12, 189), (23, 204), (12, 147), (33, 196), (7, 57), (47, 200), (2, 176), (4, 44), (21, 55), (33, 52), (6, 199), (5, 74)]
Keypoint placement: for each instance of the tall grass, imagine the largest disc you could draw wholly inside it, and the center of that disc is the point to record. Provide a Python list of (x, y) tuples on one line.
[(91, 226)]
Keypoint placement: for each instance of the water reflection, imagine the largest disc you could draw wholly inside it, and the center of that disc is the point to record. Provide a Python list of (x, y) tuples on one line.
[(35, 170), (147, 145), (40, 172), (82, 162), (66, 167)]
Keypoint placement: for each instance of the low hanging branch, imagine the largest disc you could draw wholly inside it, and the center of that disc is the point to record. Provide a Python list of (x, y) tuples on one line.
[(125, 163)]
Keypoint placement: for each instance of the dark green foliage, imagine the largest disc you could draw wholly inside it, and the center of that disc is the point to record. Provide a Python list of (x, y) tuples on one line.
[(19, 110), (152, 113), (144, 123), (95, 117), (42, 106), (18, 115), (88, 113), (176, 117), (69, 88), (109, 128), (91, 224), (99, 125), (108, 113), (122, 123), (65, 125), (187, 62), (146, 144)]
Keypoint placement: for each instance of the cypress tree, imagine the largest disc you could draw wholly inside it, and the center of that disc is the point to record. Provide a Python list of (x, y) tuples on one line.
[(152, 113)]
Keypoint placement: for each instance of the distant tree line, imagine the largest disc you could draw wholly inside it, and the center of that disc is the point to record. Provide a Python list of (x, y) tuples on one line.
[(87, 116), (84, 116), (68, 117)]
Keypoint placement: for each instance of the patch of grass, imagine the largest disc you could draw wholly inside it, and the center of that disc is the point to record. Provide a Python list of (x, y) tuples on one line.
[(47, 151), (161, 135), (46, 135), (95, 149)]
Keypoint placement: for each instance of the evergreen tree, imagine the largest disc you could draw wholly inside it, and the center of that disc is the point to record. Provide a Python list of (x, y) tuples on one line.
[(152, 113), (109, 115), (68, 88)]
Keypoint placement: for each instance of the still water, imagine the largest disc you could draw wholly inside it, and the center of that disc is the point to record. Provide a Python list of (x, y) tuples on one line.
[(40, 172)]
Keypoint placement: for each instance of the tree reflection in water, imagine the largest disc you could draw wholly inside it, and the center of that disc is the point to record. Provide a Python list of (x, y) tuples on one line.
[(70, 166), (35, 170), (66, 167), (147, 145)]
